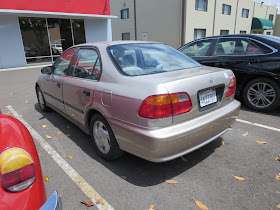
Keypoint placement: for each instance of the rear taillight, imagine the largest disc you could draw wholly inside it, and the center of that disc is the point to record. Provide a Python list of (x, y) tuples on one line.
[(17, 170), (231, 87), (160, 106)]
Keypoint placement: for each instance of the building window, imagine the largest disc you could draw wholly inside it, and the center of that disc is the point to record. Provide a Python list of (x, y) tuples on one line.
[(199, 33), (201, 5), (243, 32), (125, 36), (271, 17), (45, 39), (268, 33), (245, 13), (224, 32), (124, 13), (226, 9)]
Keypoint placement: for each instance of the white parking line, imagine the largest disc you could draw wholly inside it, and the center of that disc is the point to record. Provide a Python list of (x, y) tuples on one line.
[(258, 125), (80, 182)]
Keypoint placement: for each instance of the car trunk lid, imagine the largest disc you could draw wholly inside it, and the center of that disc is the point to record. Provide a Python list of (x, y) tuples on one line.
[(205, 86)]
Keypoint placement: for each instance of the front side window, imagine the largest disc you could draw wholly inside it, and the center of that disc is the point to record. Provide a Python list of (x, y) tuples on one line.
[(61, 65), (86, 64), (144, 59), (199, 48), (245, 13), (199, 33), (201, 5), (271, 17), (236, 46), (124, 13), (226, 9), (224, 32)]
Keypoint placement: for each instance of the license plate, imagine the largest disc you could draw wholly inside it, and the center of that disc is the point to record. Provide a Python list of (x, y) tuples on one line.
[(207, 97)]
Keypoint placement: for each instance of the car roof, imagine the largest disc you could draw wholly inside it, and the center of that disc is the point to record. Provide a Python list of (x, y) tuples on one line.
[(110, 43), (235, 35)]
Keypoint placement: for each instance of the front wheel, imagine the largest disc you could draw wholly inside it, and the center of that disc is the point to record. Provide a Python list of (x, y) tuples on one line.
[(262, 95), (41, 100), (104, 139)]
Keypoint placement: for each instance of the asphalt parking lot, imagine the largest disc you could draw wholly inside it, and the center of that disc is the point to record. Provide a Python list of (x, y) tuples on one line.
[(206, 175)]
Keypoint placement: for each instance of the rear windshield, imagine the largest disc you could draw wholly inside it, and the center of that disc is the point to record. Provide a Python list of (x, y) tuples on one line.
[(142, 59)]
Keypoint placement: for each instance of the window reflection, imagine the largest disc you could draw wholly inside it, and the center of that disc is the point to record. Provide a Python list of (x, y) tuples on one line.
[(60, 35), (79, 31), (35, 38), (45, 39)]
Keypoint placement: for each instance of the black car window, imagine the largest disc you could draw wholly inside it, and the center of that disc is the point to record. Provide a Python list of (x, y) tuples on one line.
[(264, 48), (86, 64), (253, 49), (61, 65), (236, 46), (199, 48)]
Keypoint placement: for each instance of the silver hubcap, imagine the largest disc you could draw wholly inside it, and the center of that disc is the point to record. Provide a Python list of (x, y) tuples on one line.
[(41, 99), (261, 95), (101, 137)]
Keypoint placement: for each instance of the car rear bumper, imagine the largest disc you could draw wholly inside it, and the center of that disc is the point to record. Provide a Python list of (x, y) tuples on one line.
[(168, 143)]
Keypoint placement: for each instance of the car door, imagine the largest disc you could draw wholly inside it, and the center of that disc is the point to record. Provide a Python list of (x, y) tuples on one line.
[(238, 54), (79, 85), (198, 50), (53, 83)]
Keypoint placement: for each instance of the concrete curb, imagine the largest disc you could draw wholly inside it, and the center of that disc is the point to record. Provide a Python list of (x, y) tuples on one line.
[(24, 67)]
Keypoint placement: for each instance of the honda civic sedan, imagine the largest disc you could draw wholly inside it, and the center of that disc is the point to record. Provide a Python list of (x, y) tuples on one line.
[(144, 98), (254, 59)]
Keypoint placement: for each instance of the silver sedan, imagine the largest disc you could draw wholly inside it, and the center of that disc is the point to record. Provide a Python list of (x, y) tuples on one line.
[(144, 98)]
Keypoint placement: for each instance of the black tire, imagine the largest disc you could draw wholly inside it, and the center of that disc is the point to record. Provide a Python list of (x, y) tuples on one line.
[(262, 94), (41, 100), (102, 135)]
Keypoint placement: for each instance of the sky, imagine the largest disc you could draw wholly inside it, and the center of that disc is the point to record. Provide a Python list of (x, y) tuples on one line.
[(271, 2)]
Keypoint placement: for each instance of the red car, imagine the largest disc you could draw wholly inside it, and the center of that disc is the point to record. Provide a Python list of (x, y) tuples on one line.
[(22, 185)]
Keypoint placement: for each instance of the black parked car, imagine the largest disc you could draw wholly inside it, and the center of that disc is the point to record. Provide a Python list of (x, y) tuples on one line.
[(254, 59)]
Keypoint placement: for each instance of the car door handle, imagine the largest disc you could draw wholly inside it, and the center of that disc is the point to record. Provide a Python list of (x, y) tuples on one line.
[(58, 84), (86, 92)]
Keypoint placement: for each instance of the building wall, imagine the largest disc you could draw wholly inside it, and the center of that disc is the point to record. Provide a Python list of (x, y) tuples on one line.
[(159, 20), (97, 30), (222, 21), (198, 19), (263, 11), (119, 25), (277, 26), (152, 20), (11, 51), (244, 24)]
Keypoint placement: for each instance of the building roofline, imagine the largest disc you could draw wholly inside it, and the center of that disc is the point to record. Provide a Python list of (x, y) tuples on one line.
[(31, 13)]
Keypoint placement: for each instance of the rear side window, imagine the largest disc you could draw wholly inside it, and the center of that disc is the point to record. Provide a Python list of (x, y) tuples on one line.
[(148, 58), (61, 65), (86, 64), (199, 48), (264, 48), (236, 46)]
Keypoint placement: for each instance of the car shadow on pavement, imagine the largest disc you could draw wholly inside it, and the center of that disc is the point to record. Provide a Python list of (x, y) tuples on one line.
[(273, 113), (132, 169)]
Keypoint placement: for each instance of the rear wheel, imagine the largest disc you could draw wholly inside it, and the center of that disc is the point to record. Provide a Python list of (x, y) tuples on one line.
[(41, 100), (262, 95), (104, 139)]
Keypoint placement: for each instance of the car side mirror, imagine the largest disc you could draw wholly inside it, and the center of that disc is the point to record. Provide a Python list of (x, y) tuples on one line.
[(46, 70)]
